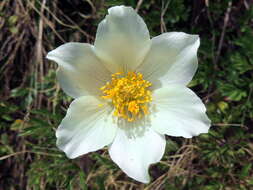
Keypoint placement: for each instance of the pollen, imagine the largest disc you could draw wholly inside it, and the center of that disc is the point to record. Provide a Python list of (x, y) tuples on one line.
[(129, 94)]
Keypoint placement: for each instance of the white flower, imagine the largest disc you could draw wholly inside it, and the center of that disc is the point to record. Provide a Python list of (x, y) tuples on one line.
[(129, 92)]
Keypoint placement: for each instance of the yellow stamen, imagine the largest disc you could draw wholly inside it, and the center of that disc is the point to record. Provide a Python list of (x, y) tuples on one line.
[(100, 105), (129, 95)]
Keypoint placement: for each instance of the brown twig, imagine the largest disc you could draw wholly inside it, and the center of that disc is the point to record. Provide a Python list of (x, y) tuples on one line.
[(163, 11), (138, 5), (226, 19), (27, 151), (39, 59)]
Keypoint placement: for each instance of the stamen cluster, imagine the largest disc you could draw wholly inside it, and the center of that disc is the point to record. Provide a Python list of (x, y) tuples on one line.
[(129, 95)]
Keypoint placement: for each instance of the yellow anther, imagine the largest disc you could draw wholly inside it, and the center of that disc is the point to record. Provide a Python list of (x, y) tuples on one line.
[(133, 107), (129, 95), (100, 105)]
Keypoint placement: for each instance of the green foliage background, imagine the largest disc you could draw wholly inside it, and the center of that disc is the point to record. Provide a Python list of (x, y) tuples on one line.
[(32, 103)]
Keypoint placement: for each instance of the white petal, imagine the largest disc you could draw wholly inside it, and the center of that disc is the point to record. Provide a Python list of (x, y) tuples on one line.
[(87, 127), (178, 111), (172, 59), (80, 71), (134, 153), (122, 39)]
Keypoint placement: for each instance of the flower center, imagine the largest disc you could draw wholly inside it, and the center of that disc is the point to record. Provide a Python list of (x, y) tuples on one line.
[(129, 94)]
